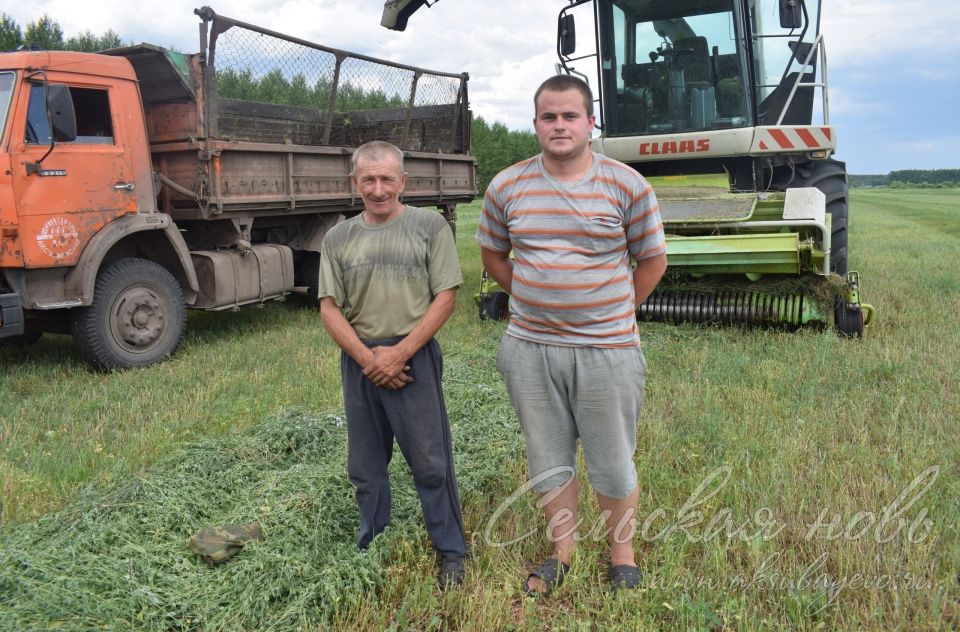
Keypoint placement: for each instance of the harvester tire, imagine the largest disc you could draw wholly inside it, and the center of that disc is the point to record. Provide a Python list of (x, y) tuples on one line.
[(849, 320), (495, 306), (137, 317), (830, 177)]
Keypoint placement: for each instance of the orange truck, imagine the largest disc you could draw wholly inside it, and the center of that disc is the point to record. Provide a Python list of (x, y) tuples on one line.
[(140, 181)]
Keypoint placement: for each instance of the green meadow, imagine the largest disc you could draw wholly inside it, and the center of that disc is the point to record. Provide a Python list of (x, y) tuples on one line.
[(789, 480)]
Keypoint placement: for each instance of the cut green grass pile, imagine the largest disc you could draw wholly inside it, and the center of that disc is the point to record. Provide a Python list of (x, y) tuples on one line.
[(117, 557)]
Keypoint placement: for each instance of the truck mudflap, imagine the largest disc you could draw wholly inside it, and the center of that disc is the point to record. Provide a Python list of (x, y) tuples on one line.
[(11, 315)]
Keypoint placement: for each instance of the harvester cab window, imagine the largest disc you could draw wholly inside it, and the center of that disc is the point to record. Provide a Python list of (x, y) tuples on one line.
[(92, 108), (679, 67), (779, 56)]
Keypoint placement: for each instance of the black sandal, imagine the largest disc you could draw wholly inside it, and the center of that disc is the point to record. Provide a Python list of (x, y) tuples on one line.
[(625, 576), (551, 573)]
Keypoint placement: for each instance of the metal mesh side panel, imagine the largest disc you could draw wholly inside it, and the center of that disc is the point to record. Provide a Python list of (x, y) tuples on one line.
[(273, 89)]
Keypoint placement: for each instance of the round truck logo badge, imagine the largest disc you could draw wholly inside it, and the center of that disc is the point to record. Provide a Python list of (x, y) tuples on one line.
[(58, 238)]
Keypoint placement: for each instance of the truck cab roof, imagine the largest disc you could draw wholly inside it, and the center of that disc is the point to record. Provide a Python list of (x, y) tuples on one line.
[(68, 62)]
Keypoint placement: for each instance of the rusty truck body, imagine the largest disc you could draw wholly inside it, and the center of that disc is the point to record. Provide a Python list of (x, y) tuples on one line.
[(141, 181)]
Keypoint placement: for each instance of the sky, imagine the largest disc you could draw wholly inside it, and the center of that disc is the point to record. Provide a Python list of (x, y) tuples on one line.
[(894, 78)]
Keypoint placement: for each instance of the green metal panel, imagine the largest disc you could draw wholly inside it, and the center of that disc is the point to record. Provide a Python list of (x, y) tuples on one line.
[(164, 75), (681, 206), (770, 253)]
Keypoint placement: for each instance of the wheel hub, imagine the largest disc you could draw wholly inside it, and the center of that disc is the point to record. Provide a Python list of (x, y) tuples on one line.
[(138, 320)]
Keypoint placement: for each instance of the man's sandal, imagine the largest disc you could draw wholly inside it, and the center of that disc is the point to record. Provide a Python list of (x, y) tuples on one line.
[(624, 576), (551, 573)]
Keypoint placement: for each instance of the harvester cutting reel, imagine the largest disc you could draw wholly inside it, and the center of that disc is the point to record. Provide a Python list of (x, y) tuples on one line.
[(791, 308), (744, 307)]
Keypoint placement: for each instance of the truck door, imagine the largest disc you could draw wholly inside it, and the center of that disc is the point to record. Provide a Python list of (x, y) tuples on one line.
[(80, 186)]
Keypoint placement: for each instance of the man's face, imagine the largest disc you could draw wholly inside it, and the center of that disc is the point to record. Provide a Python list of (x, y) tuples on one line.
[(380, 182), (562, 124)]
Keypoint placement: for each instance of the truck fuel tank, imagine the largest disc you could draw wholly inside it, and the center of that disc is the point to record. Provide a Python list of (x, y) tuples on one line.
[(231, 278)]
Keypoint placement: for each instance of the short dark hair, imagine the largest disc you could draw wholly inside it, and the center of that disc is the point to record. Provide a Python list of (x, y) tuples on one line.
[(561, 83)]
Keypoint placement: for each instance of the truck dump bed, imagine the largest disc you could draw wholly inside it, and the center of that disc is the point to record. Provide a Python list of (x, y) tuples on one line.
[(264, 123)]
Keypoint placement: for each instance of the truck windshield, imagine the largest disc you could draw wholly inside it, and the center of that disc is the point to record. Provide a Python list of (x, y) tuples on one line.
[(6, 90), (671, 67)]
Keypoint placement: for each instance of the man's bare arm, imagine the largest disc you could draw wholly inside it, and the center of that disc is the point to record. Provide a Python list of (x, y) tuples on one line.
[(499, 266), (646, 276)]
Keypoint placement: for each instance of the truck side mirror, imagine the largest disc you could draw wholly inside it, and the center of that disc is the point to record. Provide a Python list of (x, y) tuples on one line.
[(63, 119), (791, 14), (567, 35)]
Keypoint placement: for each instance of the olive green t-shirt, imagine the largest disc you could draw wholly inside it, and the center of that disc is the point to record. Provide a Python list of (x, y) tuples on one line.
[(384, 276)]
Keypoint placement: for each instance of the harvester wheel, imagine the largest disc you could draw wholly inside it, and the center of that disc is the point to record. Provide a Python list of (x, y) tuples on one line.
[(830, 176), (495, 306), (849, 320), (137, 317)]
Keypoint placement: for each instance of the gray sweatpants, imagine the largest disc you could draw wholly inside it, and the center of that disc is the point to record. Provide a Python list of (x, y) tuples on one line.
[(562, 394)]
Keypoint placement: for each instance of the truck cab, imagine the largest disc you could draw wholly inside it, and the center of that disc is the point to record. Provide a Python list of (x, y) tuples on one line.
[(74, 159), (59, 194)]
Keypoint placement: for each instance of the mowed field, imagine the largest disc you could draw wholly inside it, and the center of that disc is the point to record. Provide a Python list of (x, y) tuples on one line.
[(788, 480)]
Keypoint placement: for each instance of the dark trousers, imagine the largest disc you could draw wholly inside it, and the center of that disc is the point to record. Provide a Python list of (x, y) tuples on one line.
[(416, 416)]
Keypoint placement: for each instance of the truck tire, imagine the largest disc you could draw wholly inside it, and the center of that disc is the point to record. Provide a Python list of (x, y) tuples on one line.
[(830, 176), (309, 270), (138, 316)]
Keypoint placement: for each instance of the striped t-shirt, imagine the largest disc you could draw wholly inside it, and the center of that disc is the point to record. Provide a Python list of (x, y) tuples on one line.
[(572, 243)]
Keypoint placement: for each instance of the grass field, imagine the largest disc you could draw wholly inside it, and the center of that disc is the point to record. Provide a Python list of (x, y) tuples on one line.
[(788, 480)]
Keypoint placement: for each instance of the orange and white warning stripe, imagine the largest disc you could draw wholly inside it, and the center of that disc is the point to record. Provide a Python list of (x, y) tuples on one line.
[(790, 139)]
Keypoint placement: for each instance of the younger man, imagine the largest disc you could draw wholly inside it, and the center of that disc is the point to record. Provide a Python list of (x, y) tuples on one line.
[(571, 355)]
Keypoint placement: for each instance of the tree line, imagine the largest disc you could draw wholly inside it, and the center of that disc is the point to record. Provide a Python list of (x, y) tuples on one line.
[(46, 34), (273, 87), (495, 147), (909, 178)]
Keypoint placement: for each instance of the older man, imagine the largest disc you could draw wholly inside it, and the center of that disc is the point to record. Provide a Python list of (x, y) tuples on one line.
[(388, 281)]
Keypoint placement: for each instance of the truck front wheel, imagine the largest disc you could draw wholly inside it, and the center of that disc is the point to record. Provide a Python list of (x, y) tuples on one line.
[(138, 316)]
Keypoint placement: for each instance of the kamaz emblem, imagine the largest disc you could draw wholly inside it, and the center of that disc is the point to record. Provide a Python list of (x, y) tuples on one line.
[(53, 172)]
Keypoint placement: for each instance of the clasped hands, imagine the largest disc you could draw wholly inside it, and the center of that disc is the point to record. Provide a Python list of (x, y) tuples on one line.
[(386, 367)]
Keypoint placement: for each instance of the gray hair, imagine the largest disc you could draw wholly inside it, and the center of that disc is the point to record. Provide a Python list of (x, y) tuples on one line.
[(375, 150)]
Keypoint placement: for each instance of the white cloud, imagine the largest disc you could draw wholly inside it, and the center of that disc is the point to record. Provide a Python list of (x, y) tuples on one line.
[(921, 32), (844, 102), (920, 153)]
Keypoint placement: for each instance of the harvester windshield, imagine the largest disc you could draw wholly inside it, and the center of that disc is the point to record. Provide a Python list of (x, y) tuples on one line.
[(696, 65), (676, 67)]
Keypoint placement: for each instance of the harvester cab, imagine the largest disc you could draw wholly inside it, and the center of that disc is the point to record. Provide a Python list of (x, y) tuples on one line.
[(723, 105)]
